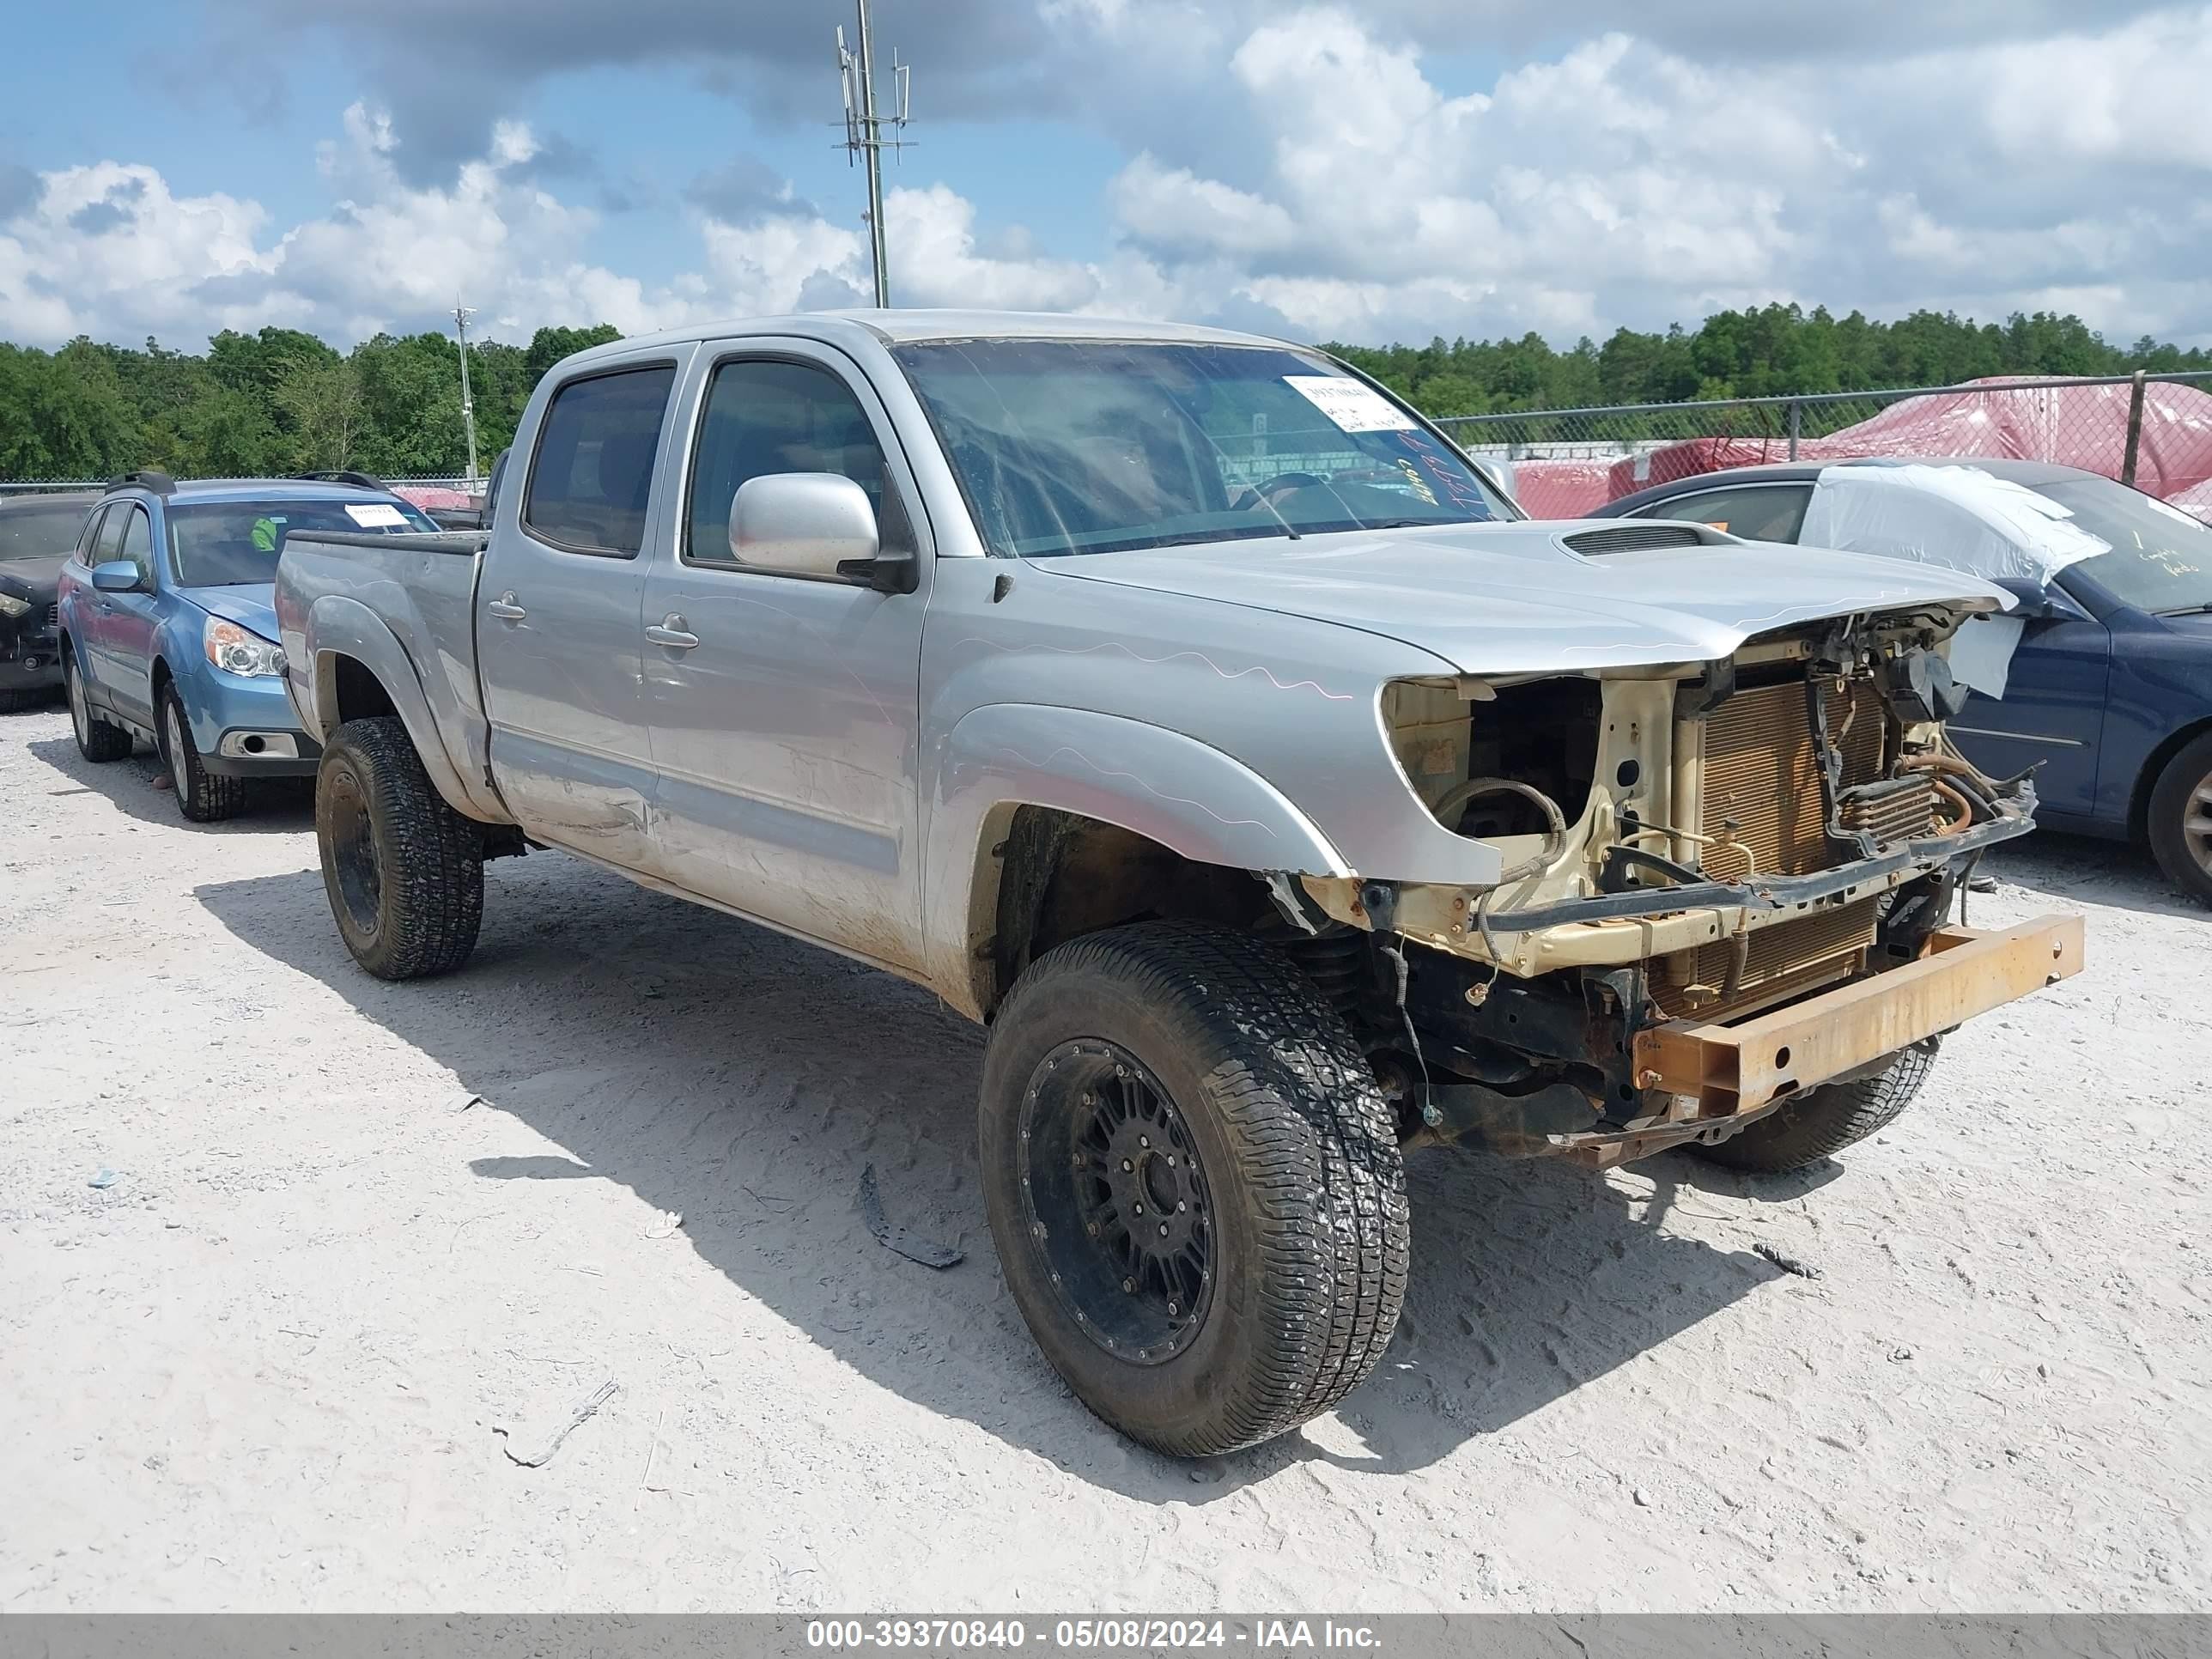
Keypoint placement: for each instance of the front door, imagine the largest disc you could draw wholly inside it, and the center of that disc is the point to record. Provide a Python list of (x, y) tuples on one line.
[(2051, 714), (125, 621), (558, 626), (784, 737)]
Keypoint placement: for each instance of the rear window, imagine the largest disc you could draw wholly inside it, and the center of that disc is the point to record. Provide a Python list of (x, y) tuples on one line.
[(39, 532), (235, 544), (592, 476)]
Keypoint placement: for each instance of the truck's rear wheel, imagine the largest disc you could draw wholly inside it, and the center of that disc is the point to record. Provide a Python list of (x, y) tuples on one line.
[(1195, 1185), (404, 870), (1821, 1123)]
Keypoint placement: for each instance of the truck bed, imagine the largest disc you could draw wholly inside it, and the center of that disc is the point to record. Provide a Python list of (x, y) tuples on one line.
[(414, 590)]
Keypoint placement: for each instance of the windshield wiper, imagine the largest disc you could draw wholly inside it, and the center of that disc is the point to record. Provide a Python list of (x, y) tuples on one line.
[(2187, 611)]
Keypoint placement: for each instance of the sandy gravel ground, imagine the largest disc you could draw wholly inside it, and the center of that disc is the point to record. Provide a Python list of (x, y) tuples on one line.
[(280, 1361)]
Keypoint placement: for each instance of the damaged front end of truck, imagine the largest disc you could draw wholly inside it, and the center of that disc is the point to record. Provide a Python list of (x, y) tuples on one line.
[(1723, 885)]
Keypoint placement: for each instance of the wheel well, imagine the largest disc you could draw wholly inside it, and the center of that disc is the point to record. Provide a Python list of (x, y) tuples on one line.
[(1061, 876), (2147, 779), (358, 694)]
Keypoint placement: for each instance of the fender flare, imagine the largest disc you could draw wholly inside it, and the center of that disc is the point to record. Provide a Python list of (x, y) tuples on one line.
[(340, 627), (1192, 799)]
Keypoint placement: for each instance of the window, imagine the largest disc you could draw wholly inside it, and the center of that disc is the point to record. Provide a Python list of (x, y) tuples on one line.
[(88, 544), (35, 530), (1758, 513), (1097, 447), (107, 545), (766, 417), (138, 544), (592, 476), (236, 543)]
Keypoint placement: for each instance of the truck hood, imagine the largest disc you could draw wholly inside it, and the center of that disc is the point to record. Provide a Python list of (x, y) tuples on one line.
[(1511, 599), (251, 605)]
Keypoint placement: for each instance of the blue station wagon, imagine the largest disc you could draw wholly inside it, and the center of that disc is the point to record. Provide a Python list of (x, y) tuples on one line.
[(166, 631)]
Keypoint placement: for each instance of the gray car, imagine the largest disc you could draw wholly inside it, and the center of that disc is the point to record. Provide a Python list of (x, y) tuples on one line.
[(1190, 711)]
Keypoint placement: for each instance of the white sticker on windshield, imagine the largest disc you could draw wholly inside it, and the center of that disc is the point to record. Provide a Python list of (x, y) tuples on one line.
[(1349, 406), (377, 515)]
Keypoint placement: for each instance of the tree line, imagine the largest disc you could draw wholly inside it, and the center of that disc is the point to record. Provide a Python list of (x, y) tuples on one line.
[(276, 402), (282, 401)]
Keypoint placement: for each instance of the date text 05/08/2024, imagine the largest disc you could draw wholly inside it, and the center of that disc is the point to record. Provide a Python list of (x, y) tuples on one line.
[(1090, 1635)]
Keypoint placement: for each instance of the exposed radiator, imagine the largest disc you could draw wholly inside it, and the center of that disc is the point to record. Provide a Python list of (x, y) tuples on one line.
[(1760, 776), (1784, 960), (1897, 809)]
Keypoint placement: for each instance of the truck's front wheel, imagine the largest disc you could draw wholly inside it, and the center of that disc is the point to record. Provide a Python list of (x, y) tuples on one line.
[(1822, 1122), (404, 870), (1195, 1185)]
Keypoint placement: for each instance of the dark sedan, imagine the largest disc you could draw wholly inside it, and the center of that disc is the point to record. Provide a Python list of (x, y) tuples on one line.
[(2108, 691), (38, 532)]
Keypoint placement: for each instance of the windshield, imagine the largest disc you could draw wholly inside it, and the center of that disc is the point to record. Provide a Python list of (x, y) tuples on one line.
[(39, 532), (1094, 446), (235, 544), (2161, 558)]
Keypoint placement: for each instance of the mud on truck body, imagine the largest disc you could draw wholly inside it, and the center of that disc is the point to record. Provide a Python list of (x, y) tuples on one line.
[(1194, 714)]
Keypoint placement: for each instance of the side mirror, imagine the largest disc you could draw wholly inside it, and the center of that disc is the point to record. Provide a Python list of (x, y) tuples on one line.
[(118, 576), (811, 524), (2036, 601)]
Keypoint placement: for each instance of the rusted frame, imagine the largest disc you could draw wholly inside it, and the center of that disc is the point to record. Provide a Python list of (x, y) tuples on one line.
[(1730, 1069)]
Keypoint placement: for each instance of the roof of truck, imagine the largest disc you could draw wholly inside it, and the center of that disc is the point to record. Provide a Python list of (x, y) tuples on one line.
[(906, 327)]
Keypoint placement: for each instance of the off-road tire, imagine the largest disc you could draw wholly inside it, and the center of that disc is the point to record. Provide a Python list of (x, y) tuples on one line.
[(1306, 1184), (13, 701), (96, 739), (413, 909), (203, 796), (1823, 1121), (2182, 799)]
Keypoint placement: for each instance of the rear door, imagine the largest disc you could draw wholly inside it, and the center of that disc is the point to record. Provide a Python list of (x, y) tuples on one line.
[(785, 708), (558, 628)]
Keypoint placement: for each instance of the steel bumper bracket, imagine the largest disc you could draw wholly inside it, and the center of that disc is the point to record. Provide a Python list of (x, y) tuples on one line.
[(1732, 1069)]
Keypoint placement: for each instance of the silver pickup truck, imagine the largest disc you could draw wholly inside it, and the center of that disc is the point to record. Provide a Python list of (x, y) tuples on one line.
[(1193, 713)]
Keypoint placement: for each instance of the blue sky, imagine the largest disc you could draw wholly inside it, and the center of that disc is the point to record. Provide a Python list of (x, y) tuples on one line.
[(1391, 169)]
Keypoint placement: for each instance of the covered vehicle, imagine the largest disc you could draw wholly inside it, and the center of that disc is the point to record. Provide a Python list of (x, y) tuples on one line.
[(1186, 707), (37, 531), (2100, 680), (165, 629)]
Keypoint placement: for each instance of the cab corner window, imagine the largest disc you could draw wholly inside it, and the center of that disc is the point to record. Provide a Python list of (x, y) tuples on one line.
[(593, 476), (767, 415)]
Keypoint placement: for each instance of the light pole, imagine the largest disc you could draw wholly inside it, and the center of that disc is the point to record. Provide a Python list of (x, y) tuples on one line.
[(461, 315)]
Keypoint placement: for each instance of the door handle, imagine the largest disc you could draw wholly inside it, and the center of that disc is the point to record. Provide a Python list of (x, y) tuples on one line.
[(670, 631), (505, 609)]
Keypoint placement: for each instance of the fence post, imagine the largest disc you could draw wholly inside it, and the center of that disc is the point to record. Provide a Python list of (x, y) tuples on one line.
[(1794, 407), (2135, 431)]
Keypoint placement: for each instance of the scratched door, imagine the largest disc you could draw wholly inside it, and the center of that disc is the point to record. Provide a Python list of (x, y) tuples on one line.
[(783, 735)]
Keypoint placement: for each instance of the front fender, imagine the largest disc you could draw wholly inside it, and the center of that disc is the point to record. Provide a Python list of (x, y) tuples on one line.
[(1169, 788), (340, 627)]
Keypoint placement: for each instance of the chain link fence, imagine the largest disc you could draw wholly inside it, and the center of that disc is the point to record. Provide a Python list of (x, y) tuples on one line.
[(2153, 431)]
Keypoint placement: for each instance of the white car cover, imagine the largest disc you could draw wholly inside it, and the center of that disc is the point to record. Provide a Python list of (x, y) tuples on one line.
[(1960, 518)]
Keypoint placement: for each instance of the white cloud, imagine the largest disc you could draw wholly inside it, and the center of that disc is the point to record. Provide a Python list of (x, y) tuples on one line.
[(1299, 170)]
